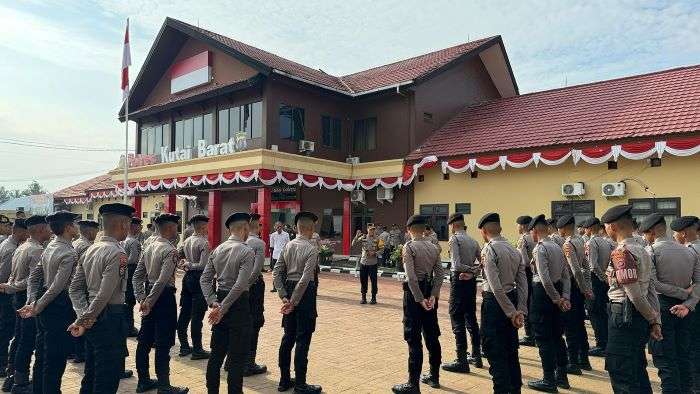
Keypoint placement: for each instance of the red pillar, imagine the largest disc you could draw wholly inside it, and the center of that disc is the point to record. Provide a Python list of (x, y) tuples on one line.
[(214, 214), (170, 203), (347, 215), (136, 204), (265, 212)]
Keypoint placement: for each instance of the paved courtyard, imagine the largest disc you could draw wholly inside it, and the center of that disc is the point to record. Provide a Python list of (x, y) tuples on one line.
[(356, 349)]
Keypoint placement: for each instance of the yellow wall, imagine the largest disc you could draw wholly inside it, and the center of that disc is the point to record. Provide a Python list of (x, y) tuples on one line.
[(531, 190), (148, 206)]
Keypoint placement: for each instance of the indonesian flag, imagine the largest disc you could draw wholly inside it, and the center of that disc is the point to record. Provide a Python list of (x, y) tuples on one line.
[(126, 62)]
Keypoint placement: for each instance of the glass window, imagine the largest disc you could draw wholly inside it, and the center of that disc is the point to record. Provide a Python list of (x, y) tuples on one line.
[(189, 133), (166, 136), (437, 218), (291, 122), (144, 140), (159, 139), (179, 134), (670, 207), (223, 126), (235, 119), (330, 132), (198, 130), (464, 208), (151, 140), (581, 209), (207, 128), (246, 121), (364, 135), (257, 120)]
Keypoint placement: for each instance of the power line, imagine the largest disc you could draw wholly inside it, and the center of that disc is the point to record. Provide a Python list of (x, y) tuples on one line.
[(44, 145), (52, 176)]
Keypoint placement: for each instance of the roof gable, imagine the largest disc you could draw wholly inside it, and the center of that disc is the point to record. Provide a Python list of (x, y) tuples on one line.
[(102, 182)]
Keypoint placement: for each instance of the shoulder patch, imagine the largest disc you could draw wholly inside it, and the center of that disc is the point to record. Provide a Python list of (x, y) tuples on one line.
[(624, 265), (122, 264)]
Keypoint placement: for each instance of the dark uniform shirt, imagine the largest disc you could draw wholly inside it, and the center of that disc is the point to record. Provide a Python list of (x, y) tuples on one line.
[(504, 271), (231, 265), (421, 259)]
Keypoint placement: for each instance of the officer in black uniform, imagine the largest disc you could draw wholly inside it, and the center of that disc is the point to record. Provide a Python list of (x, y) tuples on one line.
[(525, 246)]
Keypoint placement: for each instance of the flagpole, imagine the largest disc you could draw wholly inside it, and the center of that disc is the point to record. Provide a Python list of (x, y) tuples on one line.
[(126, 144)]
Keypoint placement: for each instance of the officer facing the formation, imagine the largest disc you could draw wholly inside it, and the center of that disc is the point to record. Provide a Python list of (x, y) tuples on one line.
[(551, 287), (633, 309), (51, 278), (371, 249), (525, 246), (293, 277), (7, 311), (598, 254), (132, 247), (97, 293), (154, 287), (195, 254), (257, 294), (230, 265), (421, 291), (580, 272), (675, 274), (25, 258), (465, 255), (504, 305)]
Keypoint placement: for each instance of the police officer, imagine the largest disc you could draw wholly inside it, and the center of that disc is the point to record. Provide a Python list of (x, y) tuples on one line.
[(553, 233), (154, 287), (88, 232), (25, 258), (421, 291), (132, 247), (675, 274), (195, 253), (581, 290), (504, 305), (52, 307), (97, 293), (8, 317), (368, 261), (465, 255), (598, 254), (257, 294), (5, 228), (525, 246), (633, 308), (293, 277), (551, 288), (230, 265)]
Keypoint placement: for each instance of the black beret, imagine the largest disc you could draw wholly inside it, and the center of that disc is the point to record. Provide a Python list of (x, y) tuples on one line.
[(254, 216), (238, 217), (62, 216), (590, 222), (135, 220), (416, 220), (616, 213), (523, 220), (88, 223), (20, 223), (167, 217), (117, 209), (683, 222), (551, 222), (34, 220), (539, 219), (4, 219), (455, 217), (565, 221), (650, 221), (198, 218), (491, 217), (305, 214)]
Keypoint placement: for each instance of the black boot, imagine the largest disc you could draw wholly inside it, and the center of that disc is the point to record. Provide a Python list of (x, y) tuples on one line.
[(373, 301), (545, 384), (476, 360), (199, 354), (527, 341), (562, 379), (185, 350), (21, 384), (584, 363), (573, 368), (172, 390), (146, 385), (597, 352), (307, 389), (460, 365), (364, 299), (133, 332), (255, 369), (406, 388), (431, 378), (285, 384), (7, 383), (126, 374)]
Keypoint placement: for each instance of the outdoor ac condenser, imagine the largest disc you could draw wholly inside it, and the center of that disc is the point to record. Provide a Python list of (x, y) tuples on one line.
[(573, 189), (614, 189)]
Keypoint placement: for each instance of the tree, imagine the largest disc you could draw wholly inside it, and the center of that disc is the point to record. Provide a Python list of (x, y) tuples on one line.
[(4, 194), (33, 188)]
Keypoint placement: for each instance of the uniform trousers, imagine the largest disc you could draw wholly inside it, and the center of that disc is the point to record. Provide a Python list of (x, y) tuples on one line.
[(463, 314), (158, 331), (130, 298), (416, 322), (103, 352), (695, 350), (548, 327), (193, 306), (298, 326), (575, 327), (500, 344), (57, 341), (368, 272), (257, 309), (598, 311), (671, 355), (26, 346), (528, 276), (8, 321), (230, 339), (625, 360)]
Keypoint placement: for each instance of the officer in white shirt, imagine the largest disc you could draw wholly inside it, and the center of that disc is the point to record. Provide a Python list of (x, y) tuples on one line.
[(278, 239)]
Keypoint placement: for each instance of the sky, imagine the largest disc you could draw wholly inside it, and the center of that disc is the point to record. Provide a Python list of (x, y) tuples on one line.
[(60, 61)]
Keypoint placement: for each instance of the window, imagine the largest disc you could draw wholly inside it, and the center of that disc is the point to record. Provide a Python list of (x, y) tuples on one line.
[(364, 135), (207, 128), (179, 134), (331, 222), (581, 209), (331, 133), (246, 118), (291, 122), (188, 132), (464, 208), (153, 138), (670, 207), (437, 218)]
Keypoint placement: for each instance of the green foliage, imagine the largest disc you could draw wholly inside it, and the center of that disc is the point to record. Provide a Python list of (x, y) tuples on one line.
[(31, 189)]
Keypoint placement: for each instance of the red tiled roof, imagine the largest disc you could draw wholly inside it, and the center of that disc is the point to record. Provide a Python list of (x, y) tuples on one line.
[(102, 182), (660, 103)]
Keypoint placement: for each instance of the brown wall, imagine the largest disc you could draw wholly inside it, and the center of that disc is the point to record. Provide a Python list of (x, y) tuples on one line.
[(235, 201)]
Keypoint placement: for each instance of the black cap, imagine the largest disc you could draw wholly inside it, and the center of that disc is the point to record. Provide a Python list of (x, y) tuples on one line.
[(20, 223), (523, 220), (650, 221), (565, 221), (135, 220), (683, 222), (198, 218), (237, 217), (167, 217), (61, 216), (416, 220), (34, 220), (254, 216), (491, 217), (590, 222), (616, 213), (305, 214), (539, 219), (88, 223), (455, 217), (551, 222), (4, 219), (117, 209)]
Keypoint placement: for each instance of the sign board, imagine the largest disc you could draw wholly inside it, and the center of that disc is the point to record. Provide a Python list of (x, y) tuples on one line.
[(238, 143), (191, 72)]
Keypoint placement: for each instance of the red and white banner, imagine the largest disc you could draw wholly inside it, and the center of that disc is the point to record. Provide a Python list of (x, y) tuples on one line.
[(126, 62), (191, 72)]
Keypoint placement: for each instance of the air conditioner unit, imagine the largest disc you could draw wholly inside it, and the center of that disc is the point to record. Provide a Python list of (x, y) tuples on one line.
[(357, 196), (159, 206), (385, 194), (573, 189), (353, 160), (614, 189), (306, 146)]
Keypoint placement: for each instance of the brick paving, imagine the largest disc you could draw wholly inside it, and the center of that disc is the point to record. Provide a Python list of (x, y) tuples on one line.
[(355, 349)]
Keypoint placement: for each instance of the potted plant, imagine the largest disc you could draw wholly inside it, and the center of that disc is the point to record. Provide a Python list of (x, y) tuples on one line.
[(325, 252), (396, 258)]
